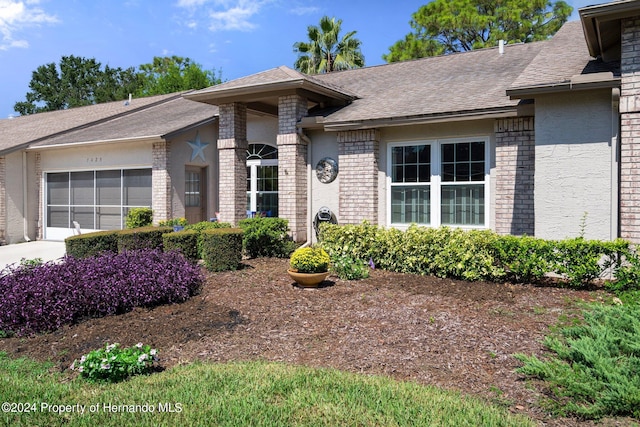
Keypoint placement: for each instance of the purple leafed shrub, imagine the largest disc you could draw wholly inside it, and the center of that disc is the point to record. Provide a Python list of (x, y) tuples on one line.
[(43, 298)]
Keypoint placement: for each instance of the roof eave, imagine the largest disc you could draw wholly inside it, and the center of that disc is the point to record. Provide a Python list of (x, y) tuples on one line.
[(571, 85), (595, 17), (146, 138), (218, 96), (493, 113)]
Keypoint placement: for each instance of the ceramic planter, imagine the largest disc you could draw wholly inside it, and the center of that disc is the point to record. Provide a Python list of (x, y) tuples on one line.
[(308, 280)]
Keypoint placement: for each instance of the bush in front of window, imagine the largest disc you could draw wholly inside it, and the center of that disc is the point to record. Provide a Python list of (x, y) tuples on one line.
[(139, 217), (478, 254)]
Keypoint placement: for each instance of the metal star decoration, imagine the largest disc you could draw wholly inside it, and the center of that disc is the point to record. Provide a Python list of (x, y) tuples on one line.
[(198, 148)]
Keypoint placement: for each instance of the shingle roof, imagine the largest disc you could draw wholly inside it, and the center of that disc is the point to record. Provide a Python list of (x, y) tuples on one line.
[(449, 84), (158, 120), (564, 56), (19, 131)]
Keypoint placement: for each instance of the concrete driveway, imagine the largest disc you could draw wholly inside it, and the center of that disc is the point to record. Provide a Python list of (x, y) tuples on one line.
[(47, 250)]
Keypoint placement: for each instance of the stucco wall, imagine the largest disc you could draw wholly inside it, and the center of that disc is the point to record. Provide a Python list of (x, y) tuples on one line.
[(14, 198), (324, 144), (103, 156), (574, 166), (181, 153)]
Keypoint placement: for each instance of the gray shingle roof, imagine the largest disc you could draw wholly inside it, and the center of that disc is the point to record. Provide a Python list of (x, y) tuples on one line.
[(18, 131), (158, 120), (564, 56)]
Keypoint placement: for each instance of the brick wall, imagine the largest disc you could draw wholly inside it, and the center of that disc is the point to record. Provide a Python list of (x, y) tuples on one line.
[(630, 131), (161, 181), (232, 152), (292, 166), (3, 201), (515, 173), (358, 159)]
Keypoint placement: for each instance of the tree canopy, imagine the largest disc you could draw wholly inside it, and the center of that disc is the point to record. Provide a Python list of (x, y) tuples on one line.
[(447, 26), (174, 74), (326, 51), (80, 81)]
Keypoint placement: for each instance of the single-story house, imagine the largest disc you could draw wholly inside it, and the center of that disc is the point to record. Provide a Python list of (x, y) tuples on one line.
[(537, 138)]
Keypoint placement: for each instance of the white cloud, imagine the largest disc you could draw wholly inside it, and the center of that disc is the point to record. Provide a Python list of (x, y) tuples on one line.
[(304, 10), (15, 17), (230, 15)]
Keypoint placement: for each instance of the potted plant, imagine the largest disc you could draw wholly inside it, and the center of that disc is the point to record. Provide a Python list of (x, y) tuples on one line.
[(177, 223), (309, 266)]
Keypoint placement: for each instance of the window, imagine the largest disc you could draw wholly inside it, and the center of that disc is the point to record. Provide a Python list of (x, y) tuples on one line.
[(439, 182), (262, 179), (95, 199)]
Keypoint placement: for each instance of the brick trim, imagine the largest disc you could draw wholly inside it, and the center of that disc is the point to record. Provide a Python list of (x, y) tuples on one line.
[(232, 154), (358, 161), (515, 175), (161, 181)]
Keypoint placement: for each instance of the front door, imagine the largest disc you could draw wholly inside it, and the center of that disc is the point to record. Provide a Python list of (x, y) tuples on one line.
[(194, 194)]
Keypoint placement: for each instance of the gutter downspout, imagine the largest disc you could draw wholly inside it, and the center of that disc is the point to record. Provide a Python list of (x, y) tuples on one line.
[(306, 139), (25, 221), (615, 163)]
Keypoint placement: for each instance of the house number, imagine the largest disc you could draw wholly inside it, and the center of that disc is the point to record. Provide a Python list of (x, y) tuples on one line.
[(94, 159)]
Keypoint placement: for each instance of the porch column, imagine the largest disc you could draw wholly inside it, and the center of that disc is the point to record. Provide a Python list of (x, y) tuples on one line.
[(630, 131), (3, 201), (232, 150), (39, 180), (358, 160), (161, 181), (292, 166), (515, 173)]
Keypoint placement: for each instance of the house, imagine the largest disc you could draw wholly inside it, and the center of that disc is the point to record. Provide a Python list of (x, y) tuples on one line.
[(537, 138)]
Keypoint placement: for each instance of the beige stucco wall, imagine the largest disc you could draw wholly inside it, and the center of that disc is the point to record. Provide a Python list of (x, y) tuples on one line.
[(181, 154), (575, 171), (323, 144), (14, 198)]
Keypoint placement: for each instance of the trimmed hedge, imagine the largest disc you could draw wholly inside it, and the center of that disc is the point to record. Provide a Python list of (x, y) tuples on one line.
[(266, 237), (222, 248), (475, 254), (45, 297), (90, 244), (185, 242), (149, 237)]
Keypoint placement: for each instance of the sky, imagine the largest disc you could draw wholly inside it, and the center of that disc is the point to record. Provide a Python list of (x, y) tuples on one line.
[(235, 38)]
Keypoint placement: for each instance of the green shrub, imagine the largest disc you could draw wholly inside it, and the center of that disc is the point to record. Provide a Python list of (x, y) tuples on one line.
[(310, 260), (222, 248), (185, 242), (139, 217), (525, 258), (347, 268), (199, 227), (114, 364), (627, 275), (90, 244), (181, 222), (141, 238), (595, 367), (266, 237)]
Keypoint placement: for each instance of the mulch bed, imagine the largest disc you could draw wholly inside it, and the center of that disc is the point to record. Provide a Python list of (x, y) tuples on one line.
[(448, 333)]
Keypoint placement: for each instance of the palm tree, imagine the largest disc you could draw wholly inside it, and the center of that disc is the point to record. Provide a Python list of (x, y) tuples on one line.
[(326, 52)]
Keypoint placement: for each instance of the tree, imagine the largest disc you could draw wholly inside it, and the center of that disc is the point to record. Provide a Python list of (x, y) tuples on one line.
[(446, 26), (326, 51), (78, 81), (174, 74)]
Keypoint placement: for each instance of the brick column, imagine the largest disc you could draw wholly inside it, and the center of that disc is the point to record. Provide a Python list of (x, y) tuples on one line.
[(161, 181), (3, 201), (292, 166), (358, 159), (515, 173), (630, 131), (232, 150)]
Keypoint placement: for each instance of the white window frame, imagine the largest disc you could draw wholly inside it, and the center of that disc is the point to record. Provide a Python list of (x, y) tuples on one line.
[(436, 182)]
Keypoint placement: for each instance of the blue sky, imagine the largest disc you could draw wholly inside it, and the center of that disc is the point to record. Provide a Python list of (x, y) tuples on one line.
[(237, 37)]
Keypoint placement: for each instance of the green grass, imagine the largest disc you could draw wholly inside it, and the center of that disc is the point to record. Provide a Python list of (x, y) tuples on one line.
[(240, 394)]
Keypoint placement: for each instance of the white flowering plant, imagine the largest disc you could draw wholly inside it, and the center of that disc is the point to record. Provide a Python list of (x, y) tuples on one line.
[(113, 363)]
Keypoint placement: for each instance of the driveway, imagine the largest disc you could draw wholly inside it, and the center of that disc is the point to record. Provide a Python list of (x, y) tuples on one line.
[(47, 250)]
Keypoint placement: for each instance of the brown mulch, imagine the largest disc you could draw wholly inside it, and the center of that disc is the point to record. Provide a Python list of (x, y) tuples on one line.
[(448, 333)]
